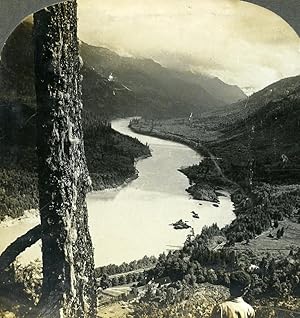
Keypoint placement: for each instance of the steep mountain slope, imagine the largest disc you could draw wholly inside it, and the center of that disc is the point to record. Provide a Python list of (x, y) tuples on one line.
[(260, 134), (140, 86), (213, 85), (270, 118), (163, 90), (155, 91), (287, 88), (266, 142)]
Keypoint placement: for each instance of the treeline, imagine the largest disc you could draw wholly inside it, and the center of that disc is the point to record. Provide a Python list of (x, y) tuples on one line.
[(113, 269), (18, 168), (110, 155), (126, 273), (196, 263), (18, 192), (257, 205), (123, 279), (267, 205)]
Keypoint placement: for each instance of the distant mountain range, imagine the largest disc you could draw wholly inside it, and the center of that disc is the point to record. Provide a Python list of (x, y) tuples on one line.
[(139, 86), (156, 89), (278, 91)]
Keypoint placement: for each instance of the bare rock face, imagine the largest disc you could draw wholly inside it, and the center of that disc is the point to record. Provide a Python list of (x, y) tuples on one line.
[(68, 265)]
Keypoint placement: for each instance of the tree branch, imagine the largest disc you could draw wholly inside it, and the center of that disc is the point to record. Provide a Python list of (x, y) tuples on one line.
[(18, 246)]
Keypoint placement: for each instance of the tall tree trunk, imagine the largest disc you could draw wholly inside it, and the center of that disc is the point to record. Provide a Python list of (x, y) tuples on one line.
[(68, 263)]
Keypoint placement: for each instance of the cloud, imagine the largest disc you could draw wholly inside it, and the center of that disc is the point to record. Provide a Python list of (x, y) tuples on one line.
[(241, 43)]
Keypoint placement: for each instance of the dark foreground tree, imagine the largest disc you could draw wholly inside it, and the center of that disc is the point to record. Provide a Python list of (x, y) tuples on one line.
[(68, 263)]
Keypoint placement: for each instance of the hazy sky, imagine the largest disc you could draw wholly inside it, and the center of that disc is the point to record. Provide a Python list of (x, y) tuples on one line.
[(241, 43)]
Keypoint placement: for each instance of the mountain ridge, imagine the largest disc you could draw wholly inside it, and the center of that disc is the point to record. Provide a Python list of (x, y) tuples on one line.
[(145, 76), (139, 86)]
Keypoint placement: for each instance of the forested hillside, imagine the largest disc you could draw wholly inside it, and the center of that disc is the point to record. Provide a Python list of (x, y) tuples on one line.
[(265, 130), (110, 155)]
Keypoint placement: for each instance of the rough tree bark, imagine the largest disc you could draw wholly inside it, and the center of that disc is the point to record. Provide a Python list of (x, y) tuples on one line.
[(68, 265)]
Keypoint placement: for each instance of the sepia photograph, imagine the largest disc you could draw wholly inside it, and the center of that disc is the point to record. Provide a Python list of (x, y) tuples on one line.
[(150, 159)]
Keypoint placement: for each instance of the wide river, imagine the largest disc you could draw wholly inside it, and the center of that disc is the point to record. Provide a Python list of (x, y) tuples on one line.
[(134, 220)]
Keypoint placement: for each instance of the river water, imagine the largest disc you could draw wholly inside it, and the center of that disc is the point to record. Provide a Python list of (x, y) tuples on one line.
[(134, 220)]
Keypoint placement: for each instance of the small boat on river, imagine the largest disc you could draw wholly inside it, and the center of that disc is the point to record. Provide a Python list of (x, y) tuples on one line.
[(180, 225), (195, 215)]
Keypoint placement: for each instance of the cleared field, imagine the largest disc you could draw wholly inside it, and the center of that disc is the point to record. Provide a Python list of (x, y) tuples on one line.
[(115, 310), (117, 291), (264, 244)]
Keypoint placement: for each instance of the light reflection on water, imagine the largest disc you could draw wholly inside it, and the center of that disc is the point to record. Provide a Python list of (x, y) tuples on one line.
[(132, 221), (135, 220)]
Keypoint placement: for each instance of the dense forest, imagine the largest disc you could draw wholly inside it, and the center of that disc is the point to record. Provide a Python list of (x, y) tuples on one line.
[(256, 210), (204, 260), (110, 158), (198, 263)]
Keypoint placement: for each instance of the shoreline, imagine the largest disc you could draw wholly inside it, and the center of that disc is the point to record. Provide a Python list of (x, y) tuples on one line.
[(33, 213), (170, 137), (120, 185), (260, 220), (208, 190), (29, 215), (111, 191)]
